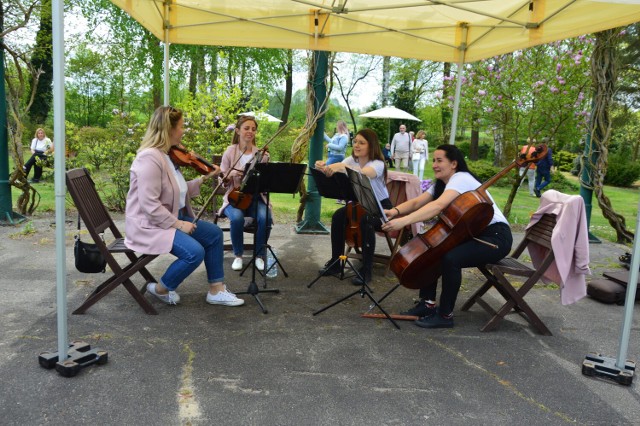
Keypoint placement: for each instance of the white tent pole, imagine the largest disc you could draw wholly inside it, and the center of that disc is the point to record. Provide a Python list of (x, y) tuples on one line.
[(456, 99), (630, 299), (166, 53), (57, 16)]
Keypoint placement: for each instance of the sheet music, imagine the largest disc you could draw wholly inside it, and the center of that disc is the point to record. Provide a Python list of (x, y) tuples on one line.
[(365, 194)]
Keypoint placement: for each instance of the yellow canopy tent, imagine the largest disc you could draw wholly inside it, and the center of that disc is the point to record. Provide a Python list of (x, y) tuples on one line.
[(441, 30), (421, 29)]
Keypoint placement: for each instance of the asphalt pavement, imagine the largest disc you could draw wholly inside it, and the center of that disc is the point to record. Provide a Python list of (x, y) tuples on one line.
[(200, 364)]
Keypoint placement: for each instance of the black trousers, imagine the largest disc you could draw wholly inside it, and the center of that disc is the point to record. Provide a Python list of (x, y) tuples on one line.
[(37, 171), (467, 255), (368, 227)]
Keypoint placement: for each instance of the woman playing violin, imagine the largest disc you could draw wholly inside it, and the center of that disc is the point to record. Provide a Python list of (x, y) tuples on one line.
[(366, 158), (452, 179), (240, 153), (159, 217)]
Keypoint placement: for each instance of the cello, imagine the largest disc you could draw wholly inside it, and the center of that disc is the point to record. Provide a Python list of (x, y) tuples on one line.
[(418, 262)]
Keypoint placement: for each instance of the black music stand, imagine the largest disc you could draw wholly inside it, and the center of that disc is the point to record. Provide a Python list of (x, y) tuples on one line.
[(363, 191), (337, 187), (267, 178)]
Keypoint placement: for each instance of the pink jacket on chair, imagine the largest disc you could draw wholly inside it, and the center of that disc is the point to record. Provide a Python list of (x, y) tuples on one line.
[(570, 243), (153, 203)]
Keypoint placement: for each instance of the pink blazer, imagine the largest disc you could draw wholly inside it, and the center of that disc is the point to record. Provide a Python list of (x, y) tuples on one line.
[(570, 244), (229, 158), (153, 203)]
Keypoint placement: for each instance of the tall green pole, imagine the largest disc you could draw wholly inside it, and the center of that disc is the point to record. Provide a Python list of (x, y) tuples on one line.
[(311, 223), (7, 216), (590, 158)]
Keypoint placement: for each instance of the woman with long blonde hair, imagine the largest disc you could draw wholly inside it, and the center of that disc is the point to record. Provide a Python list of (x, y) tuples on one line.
[(159, 217)]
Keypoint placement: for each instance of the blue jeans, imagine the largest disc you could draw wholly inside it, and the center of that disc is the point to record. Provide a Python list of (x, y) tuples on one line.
[(258, 210), (204, 244), (334, 158), (540, 176)]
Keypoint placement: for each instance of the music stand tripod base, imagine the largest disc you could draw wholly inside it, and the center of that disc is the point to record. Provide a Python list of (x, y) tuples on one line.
[(363, 291)]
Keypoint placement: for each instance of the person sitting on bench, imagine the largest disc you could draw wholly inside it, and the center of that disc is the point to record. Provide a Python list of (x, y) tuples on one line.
[(159, 218)]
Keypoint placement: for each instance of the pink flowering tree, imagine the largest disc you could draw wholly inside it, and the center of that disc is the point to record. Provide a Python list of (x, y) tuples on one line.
[(534, 93)]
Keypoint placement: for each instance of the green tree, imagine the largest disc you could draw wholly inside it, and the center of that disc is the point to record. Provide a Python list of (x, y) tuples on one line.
[(42, 60)]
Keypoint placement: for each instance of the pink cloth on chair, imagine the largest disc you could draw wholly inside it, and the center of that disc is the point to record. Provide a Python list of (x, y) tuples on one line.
[(570, 244), (412, 189)]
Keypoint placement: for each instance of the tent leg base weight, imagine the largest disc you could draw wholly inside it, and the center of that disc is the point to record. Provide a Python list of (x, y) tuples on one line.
[(604, 367), (80, 355)]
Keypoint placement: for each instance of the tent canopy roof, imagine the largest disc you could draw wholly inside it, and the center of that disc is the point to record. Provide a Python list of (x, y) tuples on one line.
[(424, 29)]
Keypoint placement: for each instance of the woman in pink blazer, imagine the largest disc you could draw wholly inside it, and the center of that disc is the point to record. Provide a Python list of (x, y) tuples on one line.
[(159, 218)]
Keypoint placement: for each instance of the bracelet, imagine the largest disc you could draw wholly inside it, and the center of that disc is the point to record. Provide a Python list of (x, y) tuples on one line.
[(397, 210)]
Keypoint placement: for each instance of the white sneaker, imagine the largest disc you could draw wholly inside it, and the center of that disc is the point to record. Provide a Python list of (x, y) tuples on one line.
[(224, 298), (171, 298), (237, 264), (259, 264)]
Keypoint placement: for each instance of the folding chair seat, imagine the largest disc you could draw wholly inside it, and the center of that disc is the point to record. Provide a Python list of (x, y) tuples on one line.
[(496, 277), (97, 220)]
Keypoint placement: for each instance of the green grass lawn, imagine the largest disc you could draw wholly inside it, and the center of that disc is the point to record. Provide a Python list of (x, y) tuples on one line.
[(624, 201)]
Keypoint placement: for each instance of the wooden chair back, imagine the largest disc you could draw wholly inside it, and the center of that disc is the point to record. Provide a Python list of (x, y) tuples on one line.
[(97, 220)]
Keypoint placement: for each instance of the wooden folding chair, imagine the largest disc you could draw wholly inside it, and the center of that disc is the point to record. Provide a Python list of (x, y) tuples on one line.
[(97, 220), (496, 275)]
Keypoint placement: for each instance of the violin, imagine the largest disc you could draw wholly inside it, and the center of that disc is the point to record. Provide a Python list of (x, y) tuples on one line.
[(181, 157), (418, 262), (353, 233)]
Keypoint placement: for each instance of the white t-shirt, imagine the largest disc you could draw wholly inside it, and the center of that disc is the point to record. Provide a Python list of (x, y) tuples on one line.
[(40, 144), (462, 182), (421, 146), (378, 184), (182, 183)]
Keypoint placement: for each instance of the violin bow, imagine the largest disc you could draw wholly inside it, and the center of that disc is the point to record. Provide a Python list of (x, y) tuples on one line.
[(221, 181)]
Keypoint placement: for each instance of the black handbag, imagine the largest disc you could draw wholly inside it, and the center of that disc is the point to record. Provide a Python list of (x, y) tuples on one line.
[(88, 257)]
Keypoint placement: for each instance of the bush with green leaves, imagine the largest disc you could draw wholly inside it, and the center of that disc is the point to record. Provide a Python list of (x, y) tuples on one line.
[(483, 149), (484, 171), (564, 160), (621, 171)]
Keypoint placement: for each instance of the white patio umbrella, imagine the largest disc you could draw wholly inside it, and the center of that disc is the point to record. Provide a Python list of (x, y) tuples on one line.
[(390, 112), (262, 116)]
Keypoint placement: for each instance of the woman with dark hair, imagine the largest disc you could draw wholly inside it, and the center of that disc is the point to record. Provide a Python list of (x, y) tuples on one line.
[(367, 159), (241, 152), (452, 179)]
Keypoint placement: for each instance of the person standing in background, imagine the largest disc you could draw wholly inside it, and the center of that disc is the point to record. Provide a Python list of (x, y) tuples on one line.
[(337, 146), (400, 148), (543, 172), (529, 148), (419, 154)]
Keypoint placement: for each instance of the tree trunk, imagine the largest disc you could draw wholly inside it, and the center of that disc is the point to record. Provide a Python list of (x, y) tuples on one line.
[(604, 76), (386, 72), (445, 111), (288, 88)]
